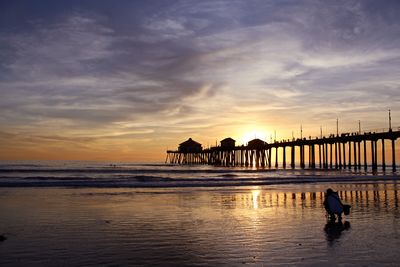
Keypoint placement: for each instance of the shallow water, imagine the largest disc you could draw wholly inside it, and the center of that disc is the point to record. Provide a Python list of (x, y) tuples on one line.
[(277, 225)]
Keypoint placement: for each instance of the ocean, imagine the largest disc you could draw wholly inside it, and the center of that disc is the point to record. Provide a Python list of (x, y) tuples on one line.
[(122, 174), (139, 214)]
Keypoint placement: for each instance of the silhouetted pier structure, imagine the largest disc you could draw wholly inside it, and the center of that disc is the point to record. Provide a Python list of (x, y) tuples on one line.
[(336, 151)]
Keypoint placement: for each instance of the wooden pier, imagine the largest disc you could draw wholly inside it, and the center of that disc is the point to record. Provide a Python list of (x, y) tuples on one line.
[(333, 152)]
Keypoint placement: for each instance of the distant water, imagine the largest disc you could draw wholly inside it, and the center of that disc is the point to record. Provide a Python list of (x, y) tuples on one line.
[(136, 175)]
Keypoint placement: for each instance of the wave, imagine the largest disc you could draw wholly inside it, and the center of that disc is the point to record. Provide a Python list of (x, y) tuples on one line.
[(94, 174), (154, 181), (121, 170)]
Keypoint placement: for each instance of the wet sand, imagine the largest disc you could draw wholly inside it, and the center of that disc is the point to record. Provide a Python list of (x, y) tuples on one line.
[(260, 226)]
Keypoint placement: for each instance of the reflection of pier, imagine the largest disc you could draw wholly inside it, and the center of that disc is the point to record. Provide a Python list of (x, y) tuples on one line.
[(337, 151), (381, 197)]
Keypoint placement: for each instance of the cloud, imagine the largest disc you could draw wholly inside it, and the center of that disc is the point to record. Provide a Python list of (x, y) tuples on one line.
[(185, 67), (66, 71)]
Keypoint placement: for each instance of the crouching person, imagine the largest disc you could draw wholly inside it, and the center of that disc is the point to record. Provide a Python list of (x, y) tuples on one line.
[(333, 205)]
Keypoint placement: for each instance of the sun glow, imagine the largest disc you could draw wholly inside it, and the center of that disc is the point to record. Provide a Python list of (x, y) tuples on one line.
[(249, 135)]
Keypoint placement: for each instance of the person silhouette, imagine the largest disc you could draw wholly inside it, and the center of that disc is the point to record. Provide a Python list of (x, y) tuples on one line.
[(333, 205)]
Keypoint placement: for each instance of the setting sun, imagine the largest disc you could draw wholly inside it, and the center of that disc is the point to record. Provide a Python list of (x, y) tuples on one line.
[(252, 133)]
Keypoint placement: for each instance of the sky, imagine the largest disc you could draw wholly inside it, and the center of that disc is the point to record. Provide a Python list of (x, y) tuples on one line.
[(126, 80)]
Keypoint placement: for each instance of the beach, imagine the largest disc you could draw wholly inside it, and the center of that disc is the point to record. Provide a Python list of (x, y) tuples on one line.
[(269, 225)]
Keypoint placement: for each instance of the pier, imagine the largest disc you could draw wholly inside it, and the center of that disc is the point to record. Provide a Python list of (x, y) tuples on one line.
[(344, 151)]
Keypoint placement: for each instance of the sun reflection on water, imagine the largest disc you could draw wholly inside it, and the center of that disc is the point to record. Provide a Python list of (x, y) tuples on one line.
[(255, 197)]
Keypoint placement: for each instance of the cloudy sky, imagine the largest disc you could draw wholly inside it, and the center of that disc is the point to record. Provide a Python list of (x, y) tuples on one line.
[(125, 80)]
